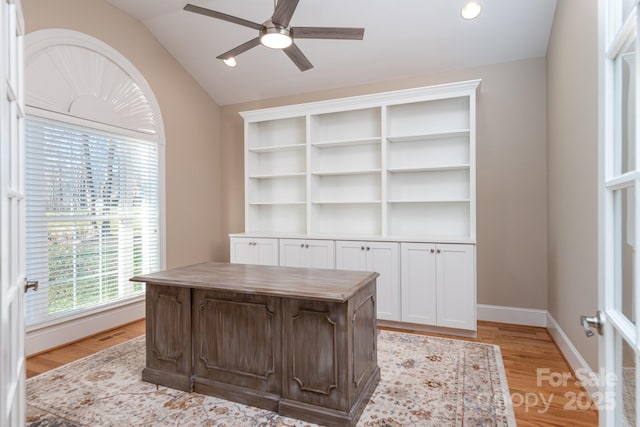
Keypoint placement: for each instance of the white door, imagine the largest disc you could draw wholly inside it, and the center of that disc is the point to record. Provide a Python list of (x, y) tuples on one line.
[(455, 284), (12, 218), (320, 254), (292, 253), (418, 282), (619, 171), (241, 250), (383, 258), (351, 255), (265, 252)]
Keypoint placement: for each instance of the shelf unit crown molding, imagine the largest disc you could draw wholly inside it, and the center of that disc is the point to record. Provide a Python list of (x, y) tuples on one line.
[(424, 93)]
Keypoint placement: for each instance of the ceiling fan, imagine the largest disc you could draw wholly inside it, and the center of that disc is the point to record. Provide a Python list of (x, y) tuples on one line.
[(277, 34)]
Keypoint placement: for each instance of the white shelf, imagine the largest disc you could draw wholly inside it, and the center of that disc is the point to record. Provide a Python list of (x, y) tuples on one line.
[(431, 117), (278, 175), (342, 202), (348, 142), (432, 201), (351, 236), (344, 126), (354, 172), (275, 133), (276, 148), (276, 218), (444, 219), (429, 169), (276, 203), (428, 136)]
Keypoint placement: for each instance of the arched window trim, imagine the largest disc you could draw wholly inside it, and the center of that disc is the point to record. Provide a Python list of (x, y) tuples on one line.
[(39, 42)]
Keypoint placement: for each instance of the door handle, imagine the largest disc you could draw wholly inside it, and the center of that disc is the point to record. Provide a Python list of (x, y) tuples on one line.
[(593, 322), (30, 284)]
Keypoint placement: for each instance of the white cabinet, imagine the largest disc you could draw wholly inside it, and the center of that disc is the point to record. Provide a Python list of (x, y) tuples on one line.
[(381, 257), (246, 250), (307, 253), (438, 285)]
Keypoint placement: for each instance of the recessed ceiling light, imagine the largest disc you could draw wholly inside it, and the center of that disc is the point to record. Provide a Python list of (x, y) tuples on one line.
[(231, 62), (471, 10)]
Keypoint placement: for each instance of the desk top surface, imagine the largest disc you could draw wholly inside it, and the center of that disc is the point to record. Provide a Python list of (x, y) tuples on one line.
[(305, 283)]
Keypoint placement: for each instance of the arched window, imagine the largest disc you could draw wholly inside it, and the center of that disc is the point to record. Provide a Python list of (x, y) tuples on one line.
[(95, 176)]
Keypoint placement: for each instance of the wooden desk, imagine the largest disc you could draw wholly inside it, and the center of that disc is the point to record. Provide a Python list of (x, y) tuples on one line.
[(301, 342)]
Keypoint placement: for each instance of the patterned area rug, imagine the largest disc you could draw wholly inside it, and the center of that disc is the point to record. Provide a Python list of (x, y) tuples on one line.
[(425, 381)]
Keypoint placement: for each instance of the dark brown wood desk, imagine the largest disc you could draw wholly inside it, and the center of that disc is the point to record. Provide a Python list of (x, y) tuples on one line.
[(301, 342)]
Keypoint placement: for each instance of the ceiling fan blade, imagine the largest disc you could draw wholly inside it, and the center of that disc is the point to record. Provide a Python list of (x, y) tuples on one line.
[(222, 16), (284, 11), (239, 49), (295, 54), (327, 33)]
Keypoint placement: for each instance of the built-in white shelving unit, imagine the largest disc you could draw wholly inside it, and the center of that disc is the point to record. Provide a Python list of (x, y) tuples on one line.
[(391, 165), (395, 166)]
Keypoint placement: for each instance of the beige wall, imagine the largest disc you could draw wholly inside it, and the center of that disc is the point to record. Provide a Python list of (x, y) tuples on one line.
[(191, 121), (511, 178), (572, 73)]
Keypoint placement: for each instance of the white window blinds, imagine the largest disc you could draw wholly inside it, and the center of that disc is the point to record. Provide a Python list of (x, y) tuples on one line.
[(92, 217)]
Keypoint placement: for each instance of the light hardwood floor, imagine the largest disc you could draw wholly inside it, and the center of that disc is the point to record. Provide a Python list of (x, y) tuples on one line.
[(525, 351)]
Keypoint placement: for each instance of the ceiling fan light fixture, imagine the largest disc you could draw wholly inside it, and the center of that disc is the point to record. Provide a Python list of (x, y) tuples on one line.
[(471, 10), (275, 36), (230, 62)]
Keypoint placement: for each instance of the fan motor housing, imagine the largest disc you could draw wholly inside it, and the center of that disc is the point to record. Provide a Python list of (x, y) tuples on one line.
[(275, 36)]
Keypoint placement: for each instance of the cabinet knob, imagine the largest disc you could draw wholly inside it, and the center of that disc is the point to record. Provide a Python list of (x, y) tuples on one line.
[(433, 250), (368, 248), (438, 251), (362, 248), (306, 246), (302, 245)]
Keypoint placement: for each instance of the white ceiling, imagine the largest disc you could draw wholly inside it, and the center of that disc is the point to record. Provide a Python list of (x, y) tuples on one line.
[(403, 38)]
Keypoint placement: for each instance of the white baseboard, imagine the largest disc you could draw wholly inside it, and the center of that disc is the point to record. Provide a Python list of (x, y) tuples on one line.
[(571, 354), (427, 328), (514, 315), (49, 337)]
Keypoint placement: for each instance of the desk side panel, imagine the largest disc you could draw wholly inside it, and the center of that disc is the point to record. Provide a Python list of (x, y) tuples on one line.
[(316, 353), (168, 327)]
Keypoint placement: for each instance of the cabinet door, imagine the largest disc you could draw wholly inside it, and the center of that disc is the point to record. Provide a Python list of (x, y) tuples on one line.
[(292, 253), (383, 258), (418, 283), (265, 252), (351, 255), (240, 250), (455, 278), (320, 254)]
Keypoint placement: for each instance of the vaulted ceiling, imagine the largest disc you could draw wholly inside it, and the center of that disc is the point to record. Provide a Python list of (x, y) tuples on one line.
[(403, 38)]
